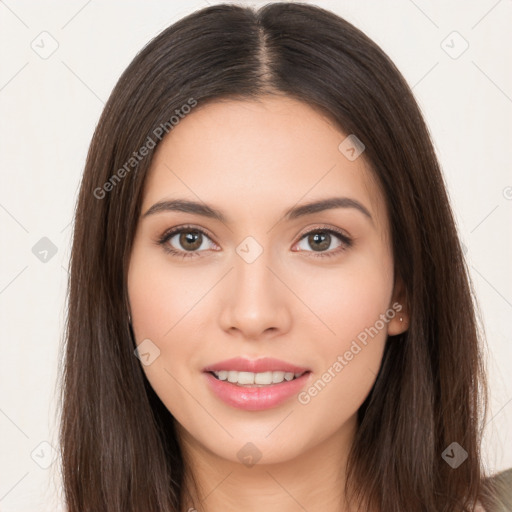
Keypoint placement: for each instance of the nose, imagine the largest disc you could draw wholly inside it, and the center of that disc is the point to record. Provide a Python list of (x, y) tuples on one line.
[(256, 304)]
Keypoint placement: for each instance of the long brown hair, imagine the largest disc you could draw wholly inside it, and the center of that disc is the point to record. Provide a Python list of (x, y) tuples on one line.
[(119, 446)]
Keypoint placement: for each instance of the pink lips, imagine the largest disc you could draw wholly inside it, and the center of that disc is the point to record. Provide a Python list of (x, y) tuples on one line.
[(253, 398)]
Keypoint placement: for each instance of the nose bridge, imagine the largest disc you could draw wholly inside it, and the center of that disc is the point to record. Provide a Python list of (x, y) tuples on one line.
[(254, 282), (252, 274), (255, 302)]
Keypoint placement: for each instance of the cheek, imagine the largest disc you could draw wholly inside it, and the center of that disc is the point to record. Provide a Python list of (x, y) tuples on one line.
[(345, 300), (352, 306), (162, 294), (166, 303)]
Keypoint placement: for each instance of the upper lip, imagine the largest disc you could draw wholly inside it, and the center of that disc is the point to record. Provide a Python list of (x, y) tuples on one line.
[(265, 364)]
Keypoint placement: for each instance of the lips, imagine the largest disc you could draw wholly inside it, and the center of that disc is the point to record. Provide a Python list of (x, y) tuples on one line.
[(266, 364), (256, 396), (253, 398)]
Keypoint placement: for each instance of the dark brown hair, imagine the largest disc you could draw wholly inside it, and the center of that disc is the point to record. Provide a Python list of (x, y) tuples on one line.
[(119, 446)]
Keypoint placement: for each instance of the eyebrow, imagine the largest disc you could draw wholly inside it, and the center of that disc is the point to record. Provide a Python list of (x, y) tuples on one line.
[(197, 208)]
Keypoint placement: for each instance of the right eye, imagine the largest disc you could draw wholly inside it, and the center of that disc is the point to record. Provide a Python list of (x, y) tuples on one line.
[(190, 238)]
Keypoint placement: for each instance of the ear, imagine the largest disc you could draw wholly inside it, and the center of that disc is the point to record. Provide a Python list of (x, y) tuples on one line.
[(398, 304)]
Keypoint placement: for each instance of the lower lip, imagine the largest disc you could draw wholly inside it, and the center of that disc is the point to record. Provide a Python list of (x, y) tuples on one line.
[(256, 398)]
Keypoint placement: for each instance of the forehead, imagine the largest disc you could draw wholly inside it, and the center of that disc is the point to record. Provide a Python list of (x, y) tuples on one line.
[(257, 157)]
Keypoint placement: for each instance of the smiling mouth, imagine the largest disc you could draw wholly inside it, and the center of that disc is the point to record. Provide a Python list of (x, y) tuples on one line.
[(250, 379)]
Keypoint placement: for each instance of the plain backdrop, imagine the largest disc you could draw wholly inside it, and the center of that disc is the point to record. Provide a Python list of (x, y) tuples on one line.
[(59, 63)]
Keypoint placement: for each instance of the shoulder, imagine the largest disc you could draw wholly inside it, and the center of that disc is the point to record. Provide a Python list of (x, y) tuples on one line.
[(496, 493), (479, 507)]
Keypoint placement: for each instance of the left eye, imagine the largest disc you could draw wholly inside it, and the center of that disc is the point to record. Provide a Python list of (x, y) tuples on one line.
[(321, 240)]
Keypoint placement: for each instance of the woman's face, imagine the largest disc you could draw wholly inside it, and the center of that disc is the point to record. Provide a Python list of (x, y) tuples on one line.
[(254, 281)]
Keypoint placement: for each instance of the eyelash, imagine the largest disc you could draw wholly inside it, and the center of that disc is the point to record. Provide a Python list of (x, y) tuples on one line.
[(167, 235)]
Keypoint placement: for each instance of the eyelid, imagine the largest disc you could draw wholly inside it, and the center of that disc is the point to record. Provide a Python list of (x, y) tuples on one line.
[(327, 228), (190, 227)]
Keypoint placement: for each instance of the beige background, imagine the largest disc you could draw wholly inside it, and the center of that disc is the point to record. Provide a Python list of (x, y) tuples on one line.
[(50, 103)]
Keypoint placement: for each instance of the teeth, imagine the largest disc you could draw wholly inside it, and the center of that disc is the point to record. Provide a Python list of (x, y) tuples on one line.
[(250, 378), (277, 377)]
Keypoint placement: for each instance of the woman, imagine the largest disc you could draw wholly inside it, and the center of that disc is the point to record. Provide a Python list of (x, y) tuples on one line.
[(268, 304)]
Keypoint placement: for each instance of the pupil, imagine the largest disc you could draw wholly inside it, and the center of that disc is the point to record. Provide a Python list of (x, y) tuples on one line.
[(323, 238), (191, 240)]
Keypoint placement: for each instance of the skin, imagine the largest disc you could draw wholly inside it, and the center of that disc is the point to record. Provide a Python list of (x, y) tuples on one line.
[(254, 160)]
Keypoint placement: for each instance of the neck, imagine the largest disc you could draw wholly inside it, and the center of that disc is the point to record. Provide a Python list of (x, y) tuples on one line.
[(312, 480)]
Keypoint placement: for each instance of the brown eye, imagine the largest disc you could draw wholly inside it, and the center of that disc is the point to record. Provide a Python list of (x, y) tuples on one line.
[(325, 242), (190, 240), (185, 241), (319, 241)]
